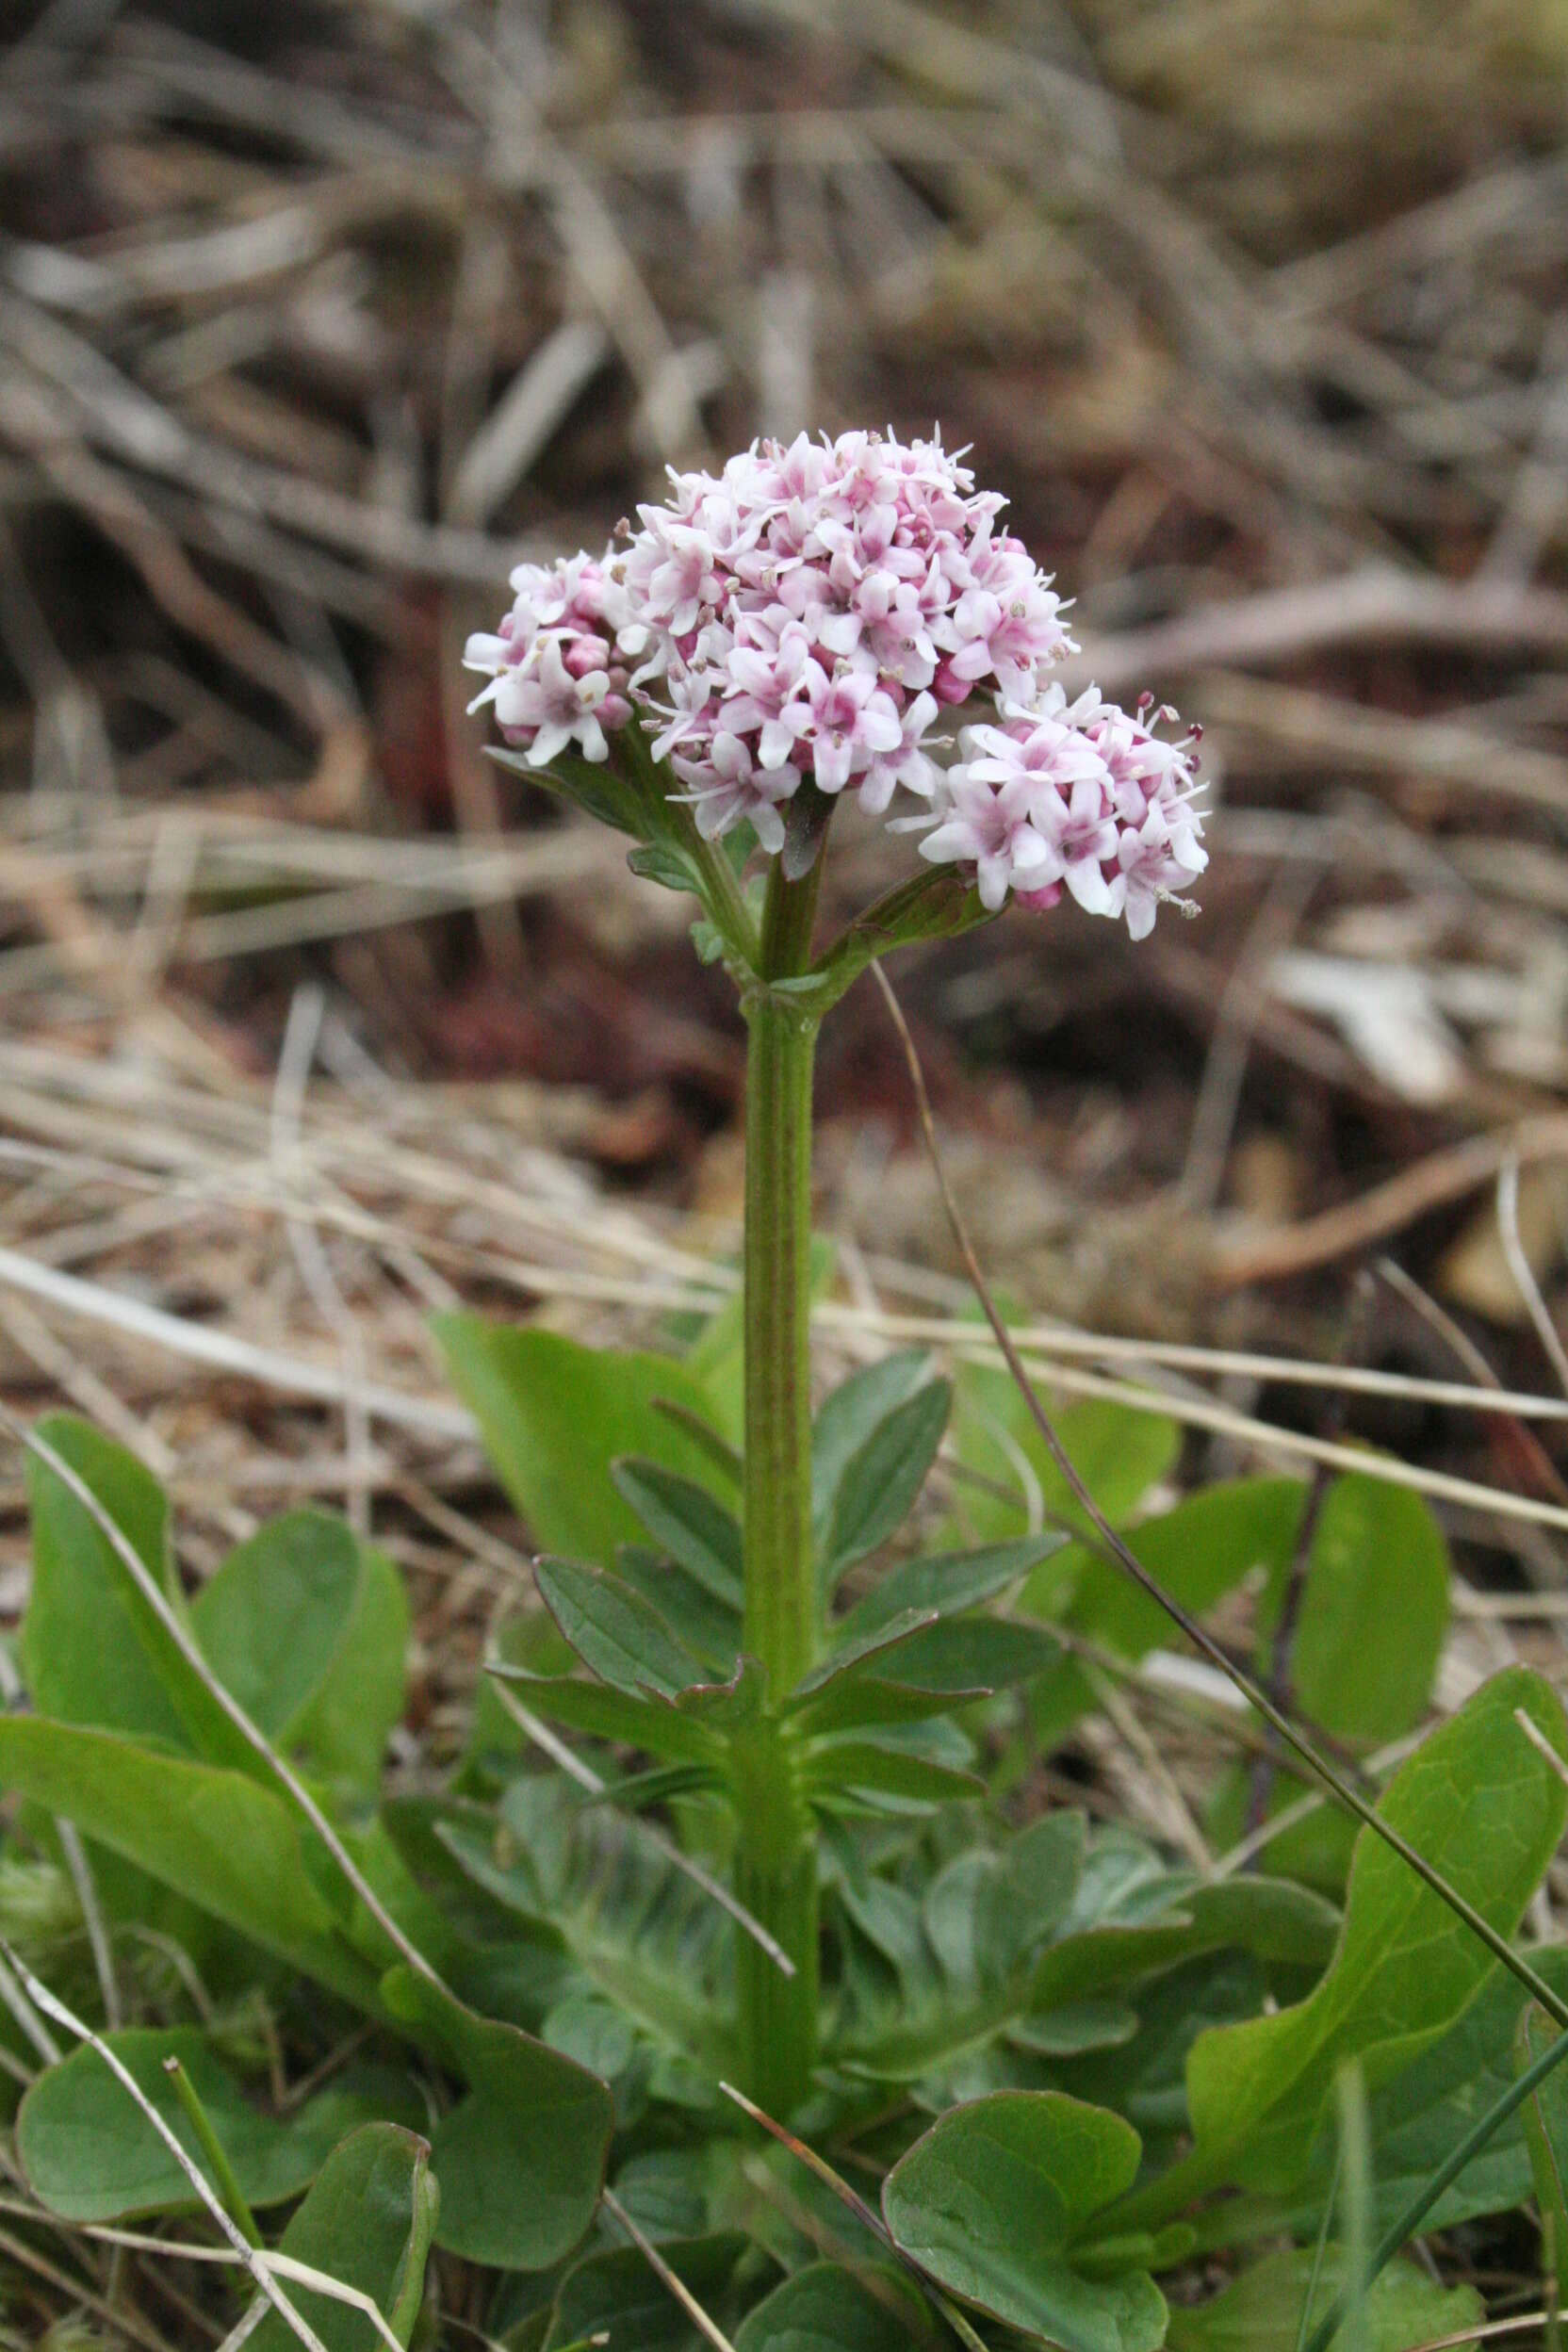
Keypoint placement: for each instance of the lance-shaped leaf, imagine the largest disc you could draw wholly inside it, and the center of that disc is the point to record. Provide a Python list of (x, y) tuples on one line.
[(521, 2159), (992, 2201), (836, 1767), (90, 2154), (881, 1479), (614, 1630), (653, 1725), (947, 1583), (848, 1415), (1483, 1804), (695, 1530), (710, 1627)]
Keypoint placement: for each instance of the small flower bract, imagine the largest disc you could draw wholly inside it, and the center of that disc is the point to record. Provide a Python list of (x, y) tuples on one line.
[(802, 619)]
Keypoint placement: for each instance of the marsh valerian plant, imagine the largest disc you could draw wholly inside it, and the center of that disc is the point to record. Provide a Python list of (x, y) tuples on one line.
[(748, 1836)]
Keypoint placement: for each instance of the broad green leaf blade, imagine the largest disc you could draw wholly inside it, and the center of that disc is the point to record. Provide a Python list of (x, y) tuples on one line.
[(1262, 2311), (614, 1630), (90, 2154), (1482, 1803), (308, 1628), (849, 1414), (217, 1837), (948, 1583), (1197, 1552), (616, 2300), (521, 2159), (826, 2307), (990, 2202), (882, 1479), (93, 1649), (603, 1713), (695, 1530), (1377, 1568), (367, 2223), (555, 1416)]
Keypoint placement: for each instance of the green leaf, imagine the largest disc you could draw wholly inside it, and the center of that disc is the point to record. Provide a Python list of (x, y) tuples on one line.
[(596, 787), (837, 1765), (308, 1628), (1545, 2116), (603, 1713), (555, 1414), (93, 1649), (709, 1627), (1269, 1918), (698, 1533), (90, 2154), (1118, 1451), (613, 1630), (668, 864), (1377, 1566), (1482, 1805), (849, 1655), (976, 1653), (1262, 2311), (367, 2223), (1199, 1552), (848, 1415), (618, 2298), (521, 2159), (826, 2307), (860, 1702), (217, 1837), (947, 1582), (882, 1479), (991, 2200)]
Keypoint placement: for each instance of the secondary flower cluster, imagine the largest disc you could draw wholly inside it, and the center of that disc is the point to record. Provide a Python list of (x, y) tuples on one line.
[(803, 617)]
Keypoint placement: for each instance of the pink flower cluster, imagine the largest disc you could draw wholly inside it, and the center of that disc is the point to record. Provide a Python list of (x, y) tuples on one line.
[(804, 616), (1077, 797), (556, 676)]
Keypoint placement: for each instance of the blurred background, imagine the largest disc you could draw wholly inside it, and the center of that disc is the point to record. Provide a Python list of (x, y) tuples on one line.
[(315, 316)]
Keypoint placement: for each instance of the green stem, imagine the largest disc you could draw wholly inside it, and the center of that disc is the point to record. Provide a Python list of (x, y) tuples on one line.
[(776, 1860), (213, 2149)]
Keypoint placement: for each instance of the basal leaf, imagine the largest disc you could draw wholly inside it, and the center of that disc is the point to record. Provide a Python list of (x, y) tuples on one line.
[(685, 1518), (990, 2201), (1269, 1917), (93, 1649), (1377, 1568), (217, 1837), (521, 2159), (367, 2223), (308, 1628), (1118, 1452), (1482, 1805), (90, 2154), (616, 2300), (827, 2308), (1262, 2311), (1544, 2117), (882, 1477), (614, 1630), (555, 1416)]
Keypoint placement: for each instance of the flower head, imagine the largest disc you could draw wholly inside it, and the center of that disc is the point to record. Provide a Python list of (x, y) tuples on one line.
[(807, 613)]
